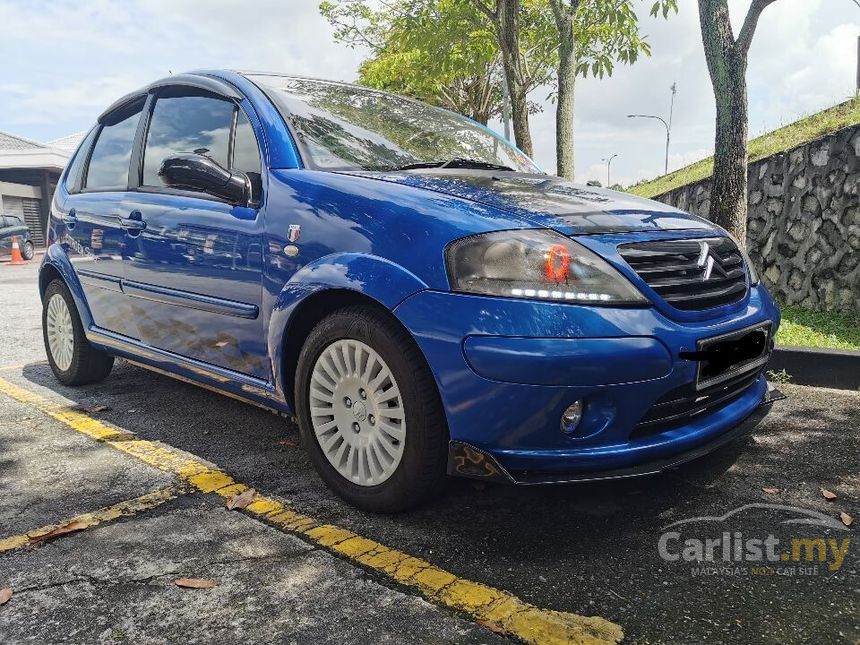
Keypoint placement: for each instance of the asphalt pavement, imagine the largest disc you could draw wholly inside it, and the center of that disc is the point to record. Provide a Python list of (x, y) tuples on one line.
[(588, 550)]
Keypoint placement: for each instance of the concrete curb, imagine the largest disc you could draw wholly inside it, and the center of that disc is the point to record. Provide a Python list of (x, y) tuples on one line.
[(835, 368)]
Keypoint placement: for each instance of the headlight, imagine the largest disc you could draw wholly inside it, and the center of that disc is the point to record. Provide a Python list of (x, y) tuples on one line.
[(540, 265)]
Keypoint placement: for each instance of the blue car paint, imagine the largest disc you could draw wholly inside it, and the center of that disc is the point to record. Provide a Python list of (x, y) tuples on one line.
[(505, 368), (516, 417)]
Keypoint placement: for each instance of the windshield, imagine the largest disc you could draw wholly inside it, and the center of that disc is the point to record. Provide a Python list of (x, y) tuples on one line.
[(345, 127)]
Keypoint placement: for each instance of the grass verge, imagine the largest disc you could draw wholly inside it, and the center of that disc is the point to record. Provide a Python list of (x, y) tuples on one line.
[(827, 329), (770, 143)]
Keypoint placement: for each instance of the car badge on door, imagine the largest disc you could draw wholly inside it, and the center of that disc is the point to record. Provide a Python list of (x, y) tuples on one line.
[(294, 232)]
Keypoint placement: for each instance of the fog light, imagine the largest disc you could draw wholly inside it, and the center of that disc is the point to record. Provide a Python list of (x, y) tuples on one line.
[(571, 417)]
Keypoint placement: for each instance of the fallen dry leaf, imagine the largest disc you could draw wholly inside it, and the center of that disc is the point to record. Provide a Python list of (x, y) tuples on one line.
[(98, 408), (496, 628), (195, 583), (847, 520), (829, 495), (770, 490), (288, 442), (71, 527), (5, 594), (241, 500), (222, 343)]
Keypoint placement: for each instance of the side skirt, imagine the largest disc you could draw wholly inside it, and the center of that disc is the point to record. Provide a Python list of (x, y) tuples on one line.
[(233, 384)]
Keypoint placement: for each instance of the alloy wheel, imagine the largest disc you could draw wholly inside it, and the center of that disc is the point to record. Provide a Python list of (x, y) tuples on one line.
[(61, 335), (357, 412)]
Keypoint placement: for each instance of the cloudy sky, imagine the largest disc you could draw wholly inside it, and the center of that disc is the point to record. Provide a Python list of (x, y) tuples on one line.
[(63, 61)]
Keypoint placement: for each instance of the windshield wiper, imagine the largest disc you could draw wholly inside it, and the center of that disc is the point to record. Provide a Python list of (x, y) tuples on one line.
[(457, 162)]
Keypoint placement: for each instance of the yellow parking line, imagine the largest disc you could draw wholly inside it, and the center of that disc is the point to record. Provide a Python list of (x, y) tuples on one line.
[(123, 509), (491, 607)]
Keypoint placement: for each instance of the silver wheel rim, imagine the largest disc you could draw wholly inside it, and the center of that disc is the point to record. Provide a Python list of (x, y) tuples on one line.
[(61, 334), (357, 412)]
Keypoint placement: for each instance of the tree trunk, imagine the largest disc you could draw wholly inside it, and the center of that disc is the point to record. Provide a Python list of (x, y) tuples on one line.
[(564, 110), (729, 185), (507, 13), (727, 65)]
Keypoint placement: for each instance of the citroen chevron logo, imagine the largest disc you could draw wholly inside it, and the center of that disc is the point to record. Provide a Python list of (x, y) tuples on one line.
[(705, 261)]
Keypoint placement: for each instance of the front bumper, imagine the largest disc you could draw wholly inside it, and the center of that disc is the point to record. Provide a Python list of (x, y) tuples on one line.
[(507, 369), (468, 461)]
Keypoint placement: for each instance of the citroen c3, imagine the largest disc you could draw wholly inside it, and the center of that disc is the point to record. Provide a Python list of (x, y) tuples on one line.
[(408, 285)]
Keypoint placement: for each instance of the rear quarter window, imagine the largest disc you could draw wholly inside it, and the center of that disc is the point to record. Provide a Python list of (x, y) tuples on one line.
[(73, 175), (109, 161)]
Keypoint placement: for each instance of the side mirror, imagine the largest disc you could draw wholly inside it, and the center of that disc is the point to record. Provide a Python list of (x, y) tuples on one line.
[(198, 172)]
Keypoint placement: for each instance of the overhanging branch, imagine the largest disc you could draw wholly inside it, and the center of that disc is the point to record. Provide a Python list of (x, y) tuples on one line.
[(742, 44)]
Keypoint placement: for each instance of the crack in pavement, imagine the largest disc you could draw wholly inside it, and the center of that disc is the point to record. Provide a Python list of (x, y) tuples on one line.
[(113, 582)]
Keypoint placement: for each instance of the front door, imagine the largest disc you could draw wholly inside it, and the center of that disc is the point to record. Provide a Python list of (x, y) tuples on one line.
[(96, 234), (194, 276)]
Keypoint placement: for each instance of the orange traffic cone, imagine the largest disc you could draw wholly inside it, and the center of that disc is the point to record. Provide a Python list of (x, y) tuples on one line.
[(16, 252)]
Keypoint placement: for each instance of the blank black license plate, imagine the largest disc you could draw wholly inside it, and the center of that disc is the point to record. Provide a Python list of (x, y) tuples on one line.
[(739, 352)]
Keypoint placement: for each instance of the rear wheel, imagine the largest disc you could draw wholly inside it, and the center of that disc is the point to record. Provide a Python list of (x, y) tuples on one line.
[(27, 250), (369, 411), (73, 360)]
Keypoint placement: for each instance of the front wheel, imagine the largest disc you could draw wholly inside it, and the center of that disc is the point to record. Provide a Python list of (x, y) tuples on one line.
[(73, 360), (369, 412)]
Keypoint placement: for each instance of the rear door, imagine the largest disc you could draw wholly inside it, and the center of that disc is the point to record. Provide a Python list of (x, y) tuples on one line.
[(194, 278), (96, 235)]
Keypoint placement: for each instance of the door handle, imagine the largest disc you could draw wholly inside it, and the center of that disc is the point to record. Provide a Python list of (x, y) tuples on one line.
[(133, 223), (70, 219)]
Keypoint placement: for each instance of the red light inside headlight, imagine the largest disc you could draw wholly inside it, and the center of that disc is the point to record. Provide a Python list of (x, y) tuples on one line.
[(557, 266)]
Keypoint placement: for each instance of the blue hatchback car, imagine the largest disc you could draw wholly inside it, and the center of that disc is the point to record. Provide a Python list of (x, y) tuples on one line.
[(406, 283)]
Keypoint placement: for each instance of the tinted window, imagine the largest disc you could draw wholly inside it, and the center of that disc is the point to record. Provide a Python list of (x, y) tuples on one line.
[(79, 160), (13, 221), (187, 124), (345, 126), (246, 154), (109, 161)]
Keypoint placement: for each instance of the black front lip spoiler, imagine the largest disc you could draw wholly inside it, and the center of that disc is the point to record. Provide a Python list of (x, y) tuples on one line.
[(465, 460)]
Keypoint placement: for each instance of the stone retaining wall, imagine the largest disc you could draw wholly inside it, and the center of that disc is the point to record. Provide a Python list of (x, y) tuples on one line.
[(804, 220)]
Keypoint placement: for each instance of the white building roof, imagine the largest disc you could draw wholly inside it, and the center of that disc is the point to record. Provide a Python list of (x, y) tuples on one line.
[(68, 143), (19, 152)]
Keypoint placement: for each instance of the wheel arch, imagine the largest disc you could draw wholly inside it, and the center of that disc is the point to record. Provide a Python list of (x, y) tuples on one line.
[(352, 279), (56, 265)]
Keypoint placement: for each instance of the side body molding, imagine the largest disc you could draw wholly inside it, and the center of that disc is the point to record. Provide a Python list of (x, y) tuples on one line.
[(377, 278)]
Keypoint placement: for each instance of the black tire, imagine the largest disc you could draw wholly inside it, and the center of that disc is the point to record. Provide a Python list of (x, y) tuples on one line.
[(88, 365), (421, 471), (28, 251)]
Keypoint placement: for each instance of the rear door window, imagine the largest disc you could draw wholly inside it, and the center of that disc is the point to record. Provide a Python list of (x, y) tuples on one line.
[(108, 167)]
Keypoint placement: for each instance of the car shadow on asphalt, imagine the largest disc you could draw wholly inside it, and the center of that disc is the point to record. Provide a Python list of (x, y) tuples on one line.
[(262, 449)]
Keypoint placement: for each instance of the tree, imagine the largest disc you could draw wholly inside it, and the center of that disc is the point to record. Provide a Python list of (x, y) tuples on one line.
[(592, 35), (438, 51), (727, 63), (522, 33)]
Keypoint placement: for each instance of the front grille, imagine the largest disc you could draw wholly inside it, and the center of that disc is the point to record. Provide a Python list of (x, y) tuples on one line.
[(690, 274), (679, 406)]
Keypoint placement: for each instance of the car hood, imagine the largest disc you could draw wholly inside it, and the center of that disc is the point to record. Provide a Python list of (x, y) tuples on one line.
[(550, 201)]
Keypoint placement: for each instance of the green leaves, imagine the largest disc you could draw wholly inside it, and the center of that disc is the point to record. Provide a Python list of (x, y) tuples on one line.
[(443, 52), (606, 32)]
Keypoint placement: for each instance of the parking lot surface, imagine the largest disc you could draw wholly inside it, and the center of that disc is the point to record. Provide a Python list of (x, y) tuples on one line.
[(152, 461)]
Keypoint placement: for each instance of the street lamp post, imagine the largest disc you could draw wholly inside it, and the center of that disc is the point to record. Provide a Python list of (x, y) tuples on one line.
[(668, 125), (608, 167)]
